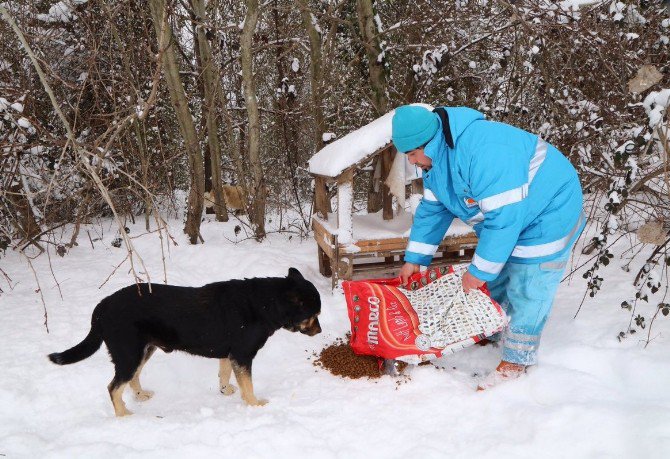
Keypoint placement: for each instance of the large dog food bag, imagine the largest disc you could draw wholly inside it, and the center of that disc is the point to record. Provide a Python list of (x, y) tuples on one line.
[(421, 321)]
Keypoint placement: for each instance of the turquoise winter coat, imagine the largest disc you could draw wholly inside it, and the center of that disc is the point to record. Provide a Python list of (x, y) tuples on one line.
[(521, 195)]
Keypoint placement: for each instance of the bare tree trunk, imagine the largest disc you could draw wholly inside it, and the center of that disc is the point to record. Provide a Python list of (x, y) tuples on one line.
[(144, 157), (316, 72), (210, 83), (257, 192), (285, 103), (139, 126), (410, 87), (25, 221), (234, 143), (186, 125), (236, 154), (373, 50)]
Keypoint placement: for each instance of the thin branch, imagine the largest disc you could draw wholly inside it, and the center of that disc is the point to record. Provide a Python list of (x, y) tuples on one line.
[(72, 139)]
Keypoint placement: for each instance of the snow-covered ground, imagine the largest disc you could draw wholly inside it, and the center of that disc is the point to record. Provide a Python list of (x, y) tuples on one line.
[(591, 395)]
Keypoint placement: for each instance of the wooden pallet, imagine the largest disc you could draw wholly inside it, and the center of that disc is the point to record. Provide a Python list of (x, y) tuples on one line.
[(380, 257)]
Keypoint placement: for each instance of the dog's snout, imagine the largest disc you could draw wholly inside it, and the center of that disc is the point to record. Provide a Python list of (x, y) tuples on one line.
[(316, 328), (311, 327)]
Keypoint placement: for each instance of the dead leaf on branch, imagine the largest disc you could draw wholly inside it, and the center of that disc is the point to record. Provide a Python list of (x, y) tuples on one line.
[(647, 76), (652, 233)]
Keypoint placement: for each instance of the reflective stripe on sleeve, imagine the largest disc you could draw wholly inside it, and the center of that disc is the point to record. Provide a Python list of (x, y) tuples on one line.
[(486, 266), (504, 198), (519, 193), (422, 248), (537, 159)]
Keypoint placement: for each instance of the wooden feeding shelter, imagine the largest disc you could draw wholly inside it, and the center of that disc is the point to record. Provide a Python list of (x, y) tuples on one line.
[(371, 242)]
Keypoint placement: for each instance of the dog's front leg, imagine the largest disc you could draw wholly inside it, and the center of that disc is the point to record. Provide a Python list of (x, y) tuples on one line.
[(225, 369), (243, 376)]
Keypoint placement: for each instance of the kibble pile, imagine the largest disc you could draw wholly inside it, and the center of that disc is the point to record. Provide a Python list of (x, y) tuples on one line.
[(340, 360)]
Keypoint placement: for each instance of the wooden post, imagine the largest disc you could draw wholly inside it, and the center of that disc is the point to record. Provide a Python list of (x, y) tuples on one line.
[(417, 186), (375, 189), (321, 200), (334, 263), (387, 198), (345, 267), (345, 206), (324, 263)]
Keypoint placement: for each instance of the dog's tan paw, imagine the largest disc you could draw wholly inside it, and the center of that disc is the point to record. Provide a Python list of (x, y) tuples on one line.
[(121, 413), (257, 402), (228, 389), (144, 395)]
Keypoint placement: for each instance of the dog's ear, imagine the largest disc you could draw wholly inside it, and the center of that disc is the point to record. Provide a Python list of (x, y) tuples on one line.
[(294, 274)]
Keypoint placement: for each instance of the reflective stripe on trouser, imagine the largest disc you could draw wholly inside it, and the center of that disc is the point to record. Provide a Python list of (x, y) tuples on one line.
[(526, 292)]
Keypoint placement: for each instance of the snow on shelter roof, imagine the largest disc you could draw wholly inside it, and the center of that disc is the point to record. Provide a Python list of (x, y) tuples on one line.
[(336, 157)]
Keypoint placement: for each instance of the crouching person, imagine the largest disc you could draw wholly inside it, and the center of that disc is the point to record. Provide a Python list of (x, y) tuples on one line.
[(523, 199)]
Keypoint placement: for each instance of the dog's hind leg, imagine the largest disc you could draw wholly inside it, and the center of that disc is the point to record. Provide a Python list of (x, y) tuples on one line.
[(127, 357), (225, 369), (140, 394), (243, 376)]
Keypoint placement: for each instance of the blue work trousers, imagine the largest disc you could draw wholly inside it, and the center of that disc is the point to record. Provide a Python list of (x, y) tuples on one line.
[(526, 293)]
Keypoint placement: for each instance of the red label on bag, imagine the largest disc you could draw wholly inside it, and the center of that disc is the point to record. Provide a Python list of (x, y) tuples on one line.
[(383, 322)]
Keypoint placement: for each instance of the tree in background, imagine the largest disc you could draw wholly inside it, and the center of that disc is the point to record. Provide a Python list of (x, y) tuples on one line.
[(256, 86)]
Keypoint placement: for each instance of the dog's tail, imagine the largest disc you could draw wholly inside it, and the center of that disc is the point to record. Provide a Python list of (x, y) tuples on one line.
[(85, 349)]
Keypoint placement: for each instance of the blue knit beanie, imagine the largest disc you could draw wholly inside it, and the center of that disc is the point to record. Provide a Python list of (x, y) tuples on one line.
[(412, 126)]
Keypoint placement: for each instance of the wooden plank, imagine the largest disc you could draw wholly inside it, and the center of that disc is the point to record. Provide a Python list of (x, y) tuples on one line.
[(387, 197), (328, 249), (318, 226), (382, 269), (384, 245), (455, 255), (390, 246), (460, 239), (395, 244), (374, 242), (323, 238), (398, 263), (366, 251), (326, 178), (345, 203)]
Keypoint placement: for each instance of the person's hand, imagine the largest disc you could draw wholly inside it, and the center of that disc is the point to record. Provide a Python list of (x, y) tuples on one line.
[(470, 282), (407, 270)]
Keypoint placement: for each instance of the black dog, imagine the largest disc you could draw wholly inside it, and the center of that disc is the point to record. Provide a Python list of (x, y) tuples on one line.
[(228, 320)]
